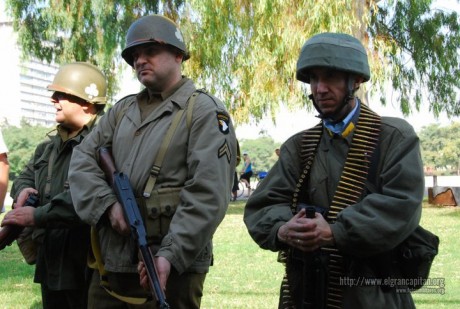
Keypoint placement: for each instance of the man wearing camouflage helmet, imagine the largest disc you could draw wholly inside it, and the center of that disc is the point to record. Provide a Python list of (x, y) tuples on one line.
[(182, 198), (79, 96), (361, 173)]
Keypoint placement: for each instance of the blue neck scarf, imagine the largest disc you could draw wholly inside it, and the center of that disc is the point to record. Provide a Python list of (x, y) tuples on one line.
[(339, 127)]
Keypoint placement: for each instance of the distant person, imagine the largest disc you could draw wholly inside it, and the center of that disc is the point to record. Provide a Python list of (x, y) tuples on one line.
[(235, 179), (246, 172), (79, 97), (4, 172), (277, 152), (362, 176)]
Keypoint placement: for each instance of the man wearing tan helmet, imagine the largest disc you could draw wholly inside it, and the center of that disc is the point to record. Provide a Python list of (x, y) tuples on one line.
[(183, 199), (62, 239)]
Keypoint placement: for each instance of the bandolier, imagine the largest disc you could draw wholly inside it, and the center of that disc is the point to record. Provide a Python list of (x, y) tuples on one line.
[(349, 191)]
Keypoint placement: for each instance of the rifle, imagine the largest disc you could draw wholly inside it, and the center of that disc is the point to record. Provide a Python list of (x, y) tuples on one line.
[(10, 233), (122, 187), (314, 270)]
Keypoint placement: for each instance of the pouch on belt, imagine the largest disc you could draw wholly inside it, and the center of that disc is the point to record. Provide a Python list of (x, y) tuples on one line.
[(158, 211)]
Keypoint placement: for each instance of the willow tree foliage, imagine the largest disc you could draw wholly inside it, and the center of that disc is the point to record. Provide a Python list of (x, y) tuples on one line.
[(246, 51), (440, 148)]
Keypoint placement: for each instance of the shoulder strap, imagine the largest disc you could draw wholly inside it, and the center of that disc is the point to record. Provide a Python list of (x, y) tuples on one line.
[(189, 107), (122, 112), (51, 159), (155, 171), (50, 171)]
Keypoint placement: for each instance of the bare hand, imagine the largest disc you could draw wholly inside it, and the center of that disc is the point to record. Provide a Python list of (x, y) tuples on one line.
[(306, 234), (22, 216), (23, 196), (163, 268), (117, 219), (143, 277)]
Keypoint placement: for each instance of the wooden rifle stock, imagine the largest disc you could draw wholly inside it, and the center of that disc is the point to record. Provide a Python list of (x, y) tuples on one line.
[(122, 187)]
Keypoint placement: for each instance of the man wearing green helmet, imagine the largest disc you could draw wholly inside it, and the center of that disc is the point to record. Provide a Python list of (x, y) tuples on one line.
[(61, 238), (343, 194), (182, 198)]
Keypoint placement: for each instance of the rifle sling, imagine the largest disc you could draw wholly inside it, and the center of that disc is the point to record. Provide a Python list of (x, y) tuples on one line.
[(155, 171), (50, 172), (95, 262)]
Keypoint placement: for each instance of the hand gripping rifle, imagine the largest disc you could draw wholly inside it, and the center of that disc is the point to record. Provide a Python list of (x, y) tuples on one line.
[(314, 272), (122, 187), (10, 233)]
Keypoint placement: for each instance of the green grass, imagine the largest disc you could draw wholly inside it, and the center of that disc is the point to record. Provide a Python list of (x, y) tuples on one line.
[(245, 276), (444, 222)]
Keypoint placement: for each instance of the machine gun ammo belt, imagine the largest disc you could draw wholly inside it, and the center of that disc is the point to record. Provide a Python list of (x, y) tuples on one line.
[(349, 190)]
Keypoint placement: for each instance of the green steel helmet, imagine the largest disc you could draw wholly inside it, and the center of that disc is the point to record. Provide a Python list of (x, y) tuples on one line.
[(338, 51), (81, 79), (153, 29)]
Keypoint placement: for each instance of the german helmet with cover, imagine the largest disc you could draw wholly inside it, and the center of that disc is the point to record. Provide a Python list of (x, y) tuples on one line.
[(153, 29), (338, 51)]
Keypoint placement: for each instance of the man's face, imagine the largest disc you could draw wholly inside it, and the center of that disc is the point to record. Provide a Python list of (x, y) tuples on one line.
[(329, 88), (69, 109), (156, 66)]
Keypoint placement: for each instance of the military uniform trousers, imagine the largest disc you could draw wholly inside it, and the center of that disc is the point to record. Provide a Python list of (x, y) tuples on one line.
[(182, 291)]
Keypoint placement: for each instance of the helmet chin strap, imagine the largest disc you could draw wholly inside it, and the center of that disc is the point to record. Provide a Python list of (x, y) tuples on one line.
[(348, 97)]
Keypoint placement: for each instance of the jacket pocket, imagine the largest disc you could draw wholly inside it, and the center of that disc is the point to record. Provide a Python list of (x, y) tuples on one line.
[(159, 210)]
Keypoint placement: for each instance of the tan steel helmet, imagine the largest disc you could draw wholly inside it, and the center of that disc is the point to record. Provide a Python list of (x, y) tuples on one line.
[(82, 80), (153, 29)]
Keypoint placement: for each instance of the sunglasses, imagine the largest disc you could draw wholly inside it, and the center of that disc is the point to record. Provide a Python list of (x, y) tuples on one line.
[(61, 96)]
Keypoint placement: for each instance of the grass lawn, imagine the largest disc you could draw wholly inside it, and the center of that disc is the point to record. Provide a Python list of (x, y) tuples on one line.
[(244, 276)]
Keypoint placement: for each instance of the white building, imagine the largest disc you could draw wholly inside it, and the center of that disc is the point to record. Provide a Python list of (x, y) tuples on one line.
[(23, 83)]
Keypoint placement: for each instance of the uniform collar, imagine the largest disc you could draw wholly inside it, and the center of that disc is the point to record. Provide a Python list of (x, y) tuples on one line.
[(161, 96), (346, 126)]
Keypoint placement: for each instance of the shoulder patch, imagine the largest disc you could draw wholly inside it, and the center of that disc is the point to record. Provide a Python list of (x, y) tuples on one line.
[(223, 121)]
